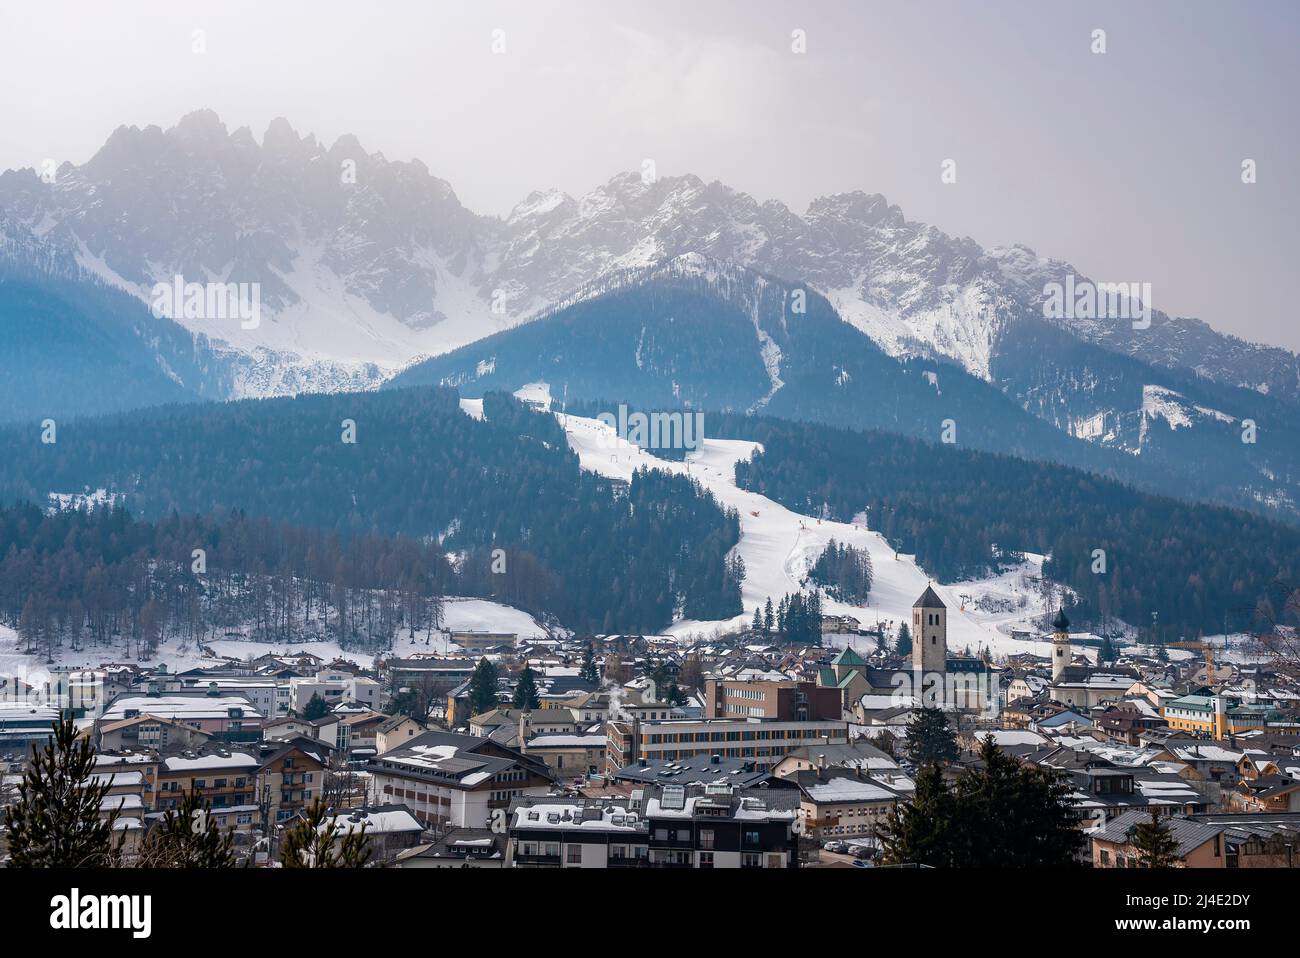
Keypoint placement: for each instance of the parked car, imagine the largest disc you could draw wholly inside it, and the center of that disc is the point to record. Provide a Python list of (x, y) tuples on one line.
[(863, 863), (838, 847), (861, 851)]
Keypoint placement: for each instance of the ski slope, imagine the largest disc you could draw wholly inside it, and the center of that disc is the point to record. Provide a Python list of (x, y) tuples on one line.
[(779, 545)]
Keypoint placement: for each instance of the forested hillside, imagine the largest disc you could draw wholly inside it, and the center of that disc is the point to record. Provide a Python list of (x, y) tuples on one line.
[(596, 553), (75, 579), (710, 336), (964, 513)]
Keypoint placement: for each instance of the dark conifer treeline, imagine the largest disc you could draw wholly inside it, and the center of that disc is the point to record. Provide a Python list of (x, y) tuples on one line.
[(844, 572), (965, 513), (598, 554), (77, 579)]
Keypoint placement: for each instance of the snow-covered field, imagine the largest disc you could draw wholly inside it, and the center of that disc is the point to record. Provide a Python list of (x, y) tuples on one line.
[(459, 615), (779, 545)]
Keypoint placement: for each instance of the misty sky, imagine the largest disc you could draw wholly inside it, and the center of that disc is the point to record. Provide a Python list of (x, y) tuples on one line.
[(1126, 164)]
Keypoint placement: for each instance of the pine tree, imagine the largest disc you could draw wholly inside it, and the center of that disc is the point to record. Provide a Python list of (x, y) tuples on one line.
[(483, 688), (769, 620), (311, 843), (925, 831), (904, 646), (1107, 651), (188, 837), (1016, 815), (1155, 843), (589, 672), (56, 823), (1003, 815), (526, 696), (316, 708), (756, 625), (930, 740)]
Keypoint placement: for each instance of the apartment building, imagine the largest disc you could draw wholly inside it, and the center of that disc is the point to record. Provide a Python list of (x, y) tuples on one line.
[(1217, 716), (290, 776), (841, 803), (453, 781), (231, 718), (227, 778), (335, 686), (668, 826), (757, 698), (763, 741)]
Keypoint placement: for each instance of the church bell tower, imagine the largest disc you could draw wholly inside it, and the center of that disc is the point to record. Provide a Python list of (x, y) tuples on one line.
[(1060, 644)]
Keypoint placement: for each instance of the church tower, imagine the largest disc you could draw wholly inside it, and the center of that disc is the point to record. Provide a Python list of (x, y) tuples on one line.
[(929, 633), (1060, 644)]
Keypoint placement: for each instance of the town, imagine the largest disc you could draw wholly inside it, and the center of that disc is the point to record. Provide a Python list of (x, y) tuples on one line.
[(639, 751)]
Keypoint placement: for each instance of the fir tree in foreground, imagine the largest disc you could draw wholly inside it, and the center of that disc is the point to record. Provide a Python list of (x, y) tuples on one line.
[(56, 823), (311, 843), (1155, 843), (188, 837), (1003, 815), (930, 740)]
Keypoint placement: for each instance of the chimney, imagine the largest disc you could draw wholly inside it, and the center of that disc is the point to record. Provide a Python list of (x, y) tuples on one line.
[(715, 759), (821, 761)]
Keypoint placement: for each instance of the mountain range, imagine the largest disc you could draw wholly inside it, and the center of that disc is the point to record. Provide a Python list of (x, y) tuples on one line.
[(372, 271)]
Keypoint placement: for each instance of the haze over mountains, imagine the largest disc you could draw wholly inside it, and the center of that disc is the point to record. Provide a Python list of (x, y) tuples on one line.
[(366, 266)]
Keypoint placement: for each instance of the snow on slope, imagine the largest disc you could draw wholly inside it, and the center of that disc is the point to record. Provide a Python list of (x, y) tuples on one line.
[(482, 615), (779, 545)]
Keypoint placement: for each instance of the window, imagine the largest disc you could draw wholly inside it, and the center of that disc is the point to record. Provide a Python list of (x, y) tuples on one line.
[(706, 859), (751, 838), (573, 854), (706, 841), (751, 860)]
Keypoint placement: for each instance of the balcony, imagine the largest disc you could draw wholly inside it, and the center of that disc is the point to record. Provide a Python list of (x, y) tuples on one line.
[(552, 861)]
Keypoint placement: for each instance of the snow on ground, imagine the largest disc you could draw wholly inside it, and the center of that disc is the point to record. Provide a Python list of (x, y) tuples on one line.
[(779, 545), (472, 408), (459, 615), (481, 615), (535, 394)]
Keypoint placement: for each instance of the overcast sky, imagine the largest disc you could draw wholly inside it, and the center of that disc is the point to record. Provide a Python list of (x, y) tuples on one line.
[(1127, 163)]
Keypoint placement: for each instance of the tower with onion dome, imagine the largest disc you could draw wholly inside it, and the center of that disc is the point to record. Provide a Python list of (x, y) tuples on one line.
[(1061, 656)]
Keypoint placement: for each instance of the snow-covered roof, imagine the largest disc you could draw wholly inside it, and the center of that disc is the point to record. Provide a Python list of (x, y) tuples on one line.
[(848, 790), (181, 706), (213, 760), (379, 821)]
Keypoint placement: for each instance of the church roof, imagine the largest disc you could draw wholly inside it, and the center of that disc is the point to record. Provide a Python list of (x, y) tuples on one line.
[(929, 600), (1061, 623), (847, 656)]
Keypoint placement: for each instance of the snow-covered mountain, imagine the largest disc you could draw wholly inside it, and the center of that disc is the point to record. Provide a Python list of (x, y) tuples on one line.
[(706, 334), (365, 264)]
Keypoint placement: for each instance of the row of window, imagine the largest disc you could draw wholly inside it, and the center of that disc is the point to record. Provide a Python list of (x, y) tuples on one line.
[(759, 735)]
